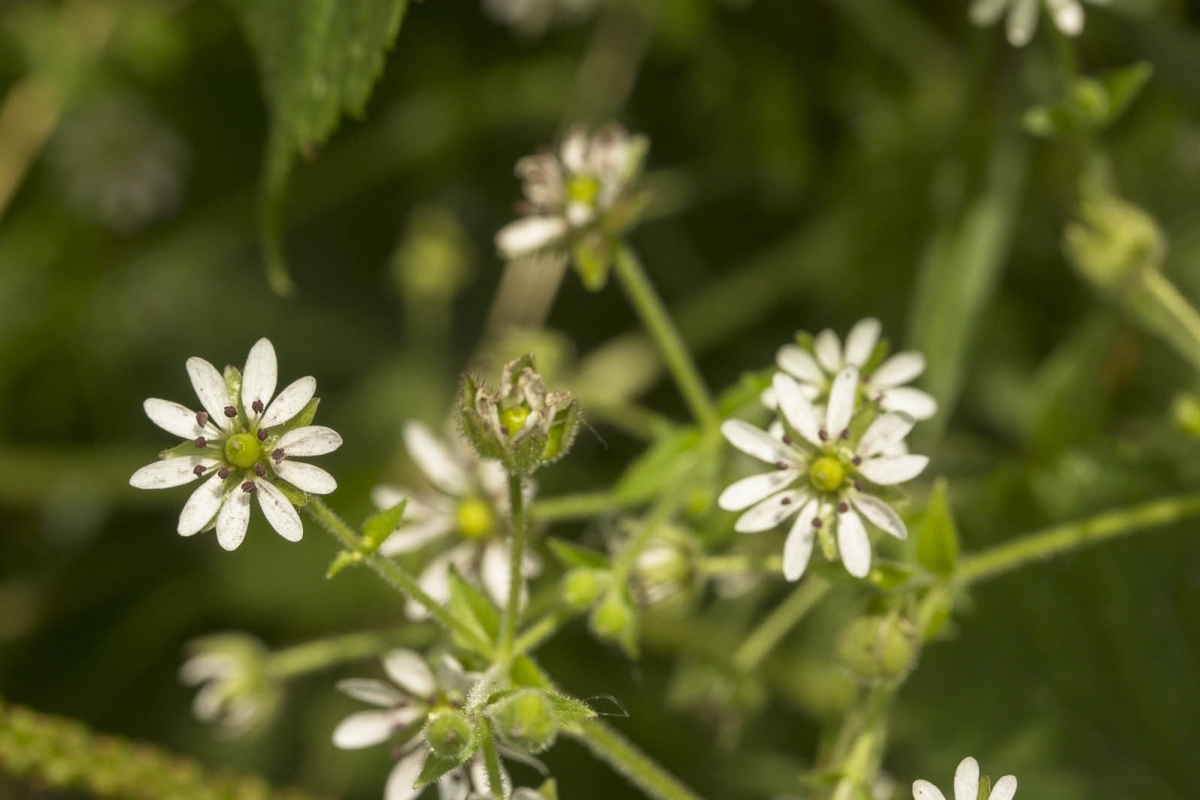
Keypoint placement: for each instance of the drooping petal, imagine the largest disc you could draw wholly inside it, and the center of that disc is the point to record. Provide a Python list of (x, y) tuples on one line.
[(529, 235), (233, 519), (363, 729), (210, 388), (771, 512), (1005, 788), (1068, 16), (842, 396), (742, 494), (260, 376), (202, 506), (891, 470), (306, 477), (854, 546), (410, 672), (757, 443), (311, 440), (879, 514), (279, 511), (169, 473), (799, 363), (290, 402), (434, 459), (173, 418), (796, 408), (1022, 22), (917, 404), (924, 790), (899, 369), (861, 341), (828, 351), (400, 780), (966, 780), (798, 548), (377, 693), (884, 433), (986, 12)]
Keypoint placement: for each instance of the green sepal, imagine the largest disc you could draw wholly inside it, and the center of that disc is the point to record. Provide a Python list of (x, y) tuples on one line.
[(185, 449), (658, 467), (476, 432), (379, 527), (572, 555), (569, 710), (935, 612), (233, 385), (345, 558), (296, 497), (937, 542), (301, 420), (882, 348), (549, 789), (526, 673), (889, 576), (436, 766), (985, 788), (472, 607), (592, 257)]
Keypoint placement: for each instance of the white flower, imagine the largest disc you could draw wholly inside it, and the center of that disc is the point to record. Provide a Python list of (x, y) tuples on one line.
[(468, 504), (966, 785), (885, 384), (234, 692), (405, 706), (1023, 16), (243, 441), (823, 474)]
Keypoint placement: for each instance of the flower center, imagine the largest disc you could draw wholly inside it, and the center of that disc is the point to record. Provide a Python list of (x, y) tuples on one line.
[(583, 189), (512, 419), (474, 518), (243, 450), (827, 474)]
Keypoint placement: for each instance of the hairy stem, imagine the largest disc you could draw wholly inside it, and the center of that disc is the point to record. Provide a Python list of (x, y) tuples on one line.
[(512, 609), (323, 653), (491, 758), (574, 506), (779, 622), (617, 751)]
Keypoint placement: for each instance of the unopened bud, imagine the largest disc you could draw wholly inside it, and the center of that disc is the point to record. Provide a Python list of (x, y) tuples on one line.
[(450, 735), (877, 648), (525, 721), (581, 587)]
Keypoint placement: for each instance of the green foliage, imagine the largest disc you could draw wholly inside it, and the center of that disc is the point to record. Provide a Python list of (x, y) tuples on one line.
[(937, 541)]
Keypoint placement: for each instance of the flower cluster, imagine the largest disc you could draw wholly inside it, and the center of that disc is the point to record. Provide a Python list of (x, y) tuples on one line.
[(243, 442), (967, 785), (833, 465), (1023, 16)]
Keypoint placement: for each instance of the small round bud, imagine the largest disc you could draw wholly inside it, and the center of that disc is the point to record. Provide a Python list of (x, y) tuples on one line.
[(612, 619), (877, 648), (581, 587), (525, 721), (450, 735)]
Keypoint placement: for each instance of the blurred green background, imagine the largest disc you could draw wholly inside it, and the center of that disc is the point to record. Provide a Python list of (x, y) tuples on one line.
[(813, 163)]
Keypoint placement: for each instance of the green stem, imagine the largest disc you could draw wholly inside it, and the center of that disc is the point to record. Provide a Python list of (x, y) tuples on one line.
[(1073, 535), (779, 622), (662, 510), (491, 758), (575, 506), (392, 574), (1166, 311), (322, 653), (533, 636), (730, 564), (512, 609), (664, 333), (615, 750)]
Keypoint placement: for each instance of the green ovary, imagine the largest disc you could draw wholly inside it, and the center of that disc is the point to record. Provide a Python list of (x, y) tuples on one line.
[(513, 419), (827, 474), (243, 450), (475, 518), (583, 189)]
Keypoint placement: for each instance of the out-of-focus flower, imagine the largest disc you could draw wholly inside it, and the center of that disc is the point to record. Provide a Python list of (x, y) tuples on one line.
[(1023, 16), (468, 503), (244, 442), (966, 785), (531, 18), (235, 692)]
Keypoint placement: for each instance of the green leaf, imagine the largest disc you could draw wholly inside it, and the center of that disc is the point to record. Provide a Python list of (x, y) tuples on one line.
[(344, 559), (436, 766), (568, 709), (318, 59), (937, 543), (378, 528), (1093, 103), (472, 607), (658, 467), (528, 674), (572, 555), (1123, 87)]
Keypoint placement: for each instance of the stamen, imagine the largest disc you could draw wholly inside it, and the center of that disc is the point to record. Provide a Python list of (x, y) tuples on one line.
[(787, 439), (785, 501), (856, 461), (843, 507), (277, 454), (202, 418), (823, 435), (223, 472), (201, 441), (249, 488), (262, 434), (260, 470), (846, 434), (781, 465), (504, 429), (199, 471), (858, 485), (257, 406), (817, 522), (230, 412)]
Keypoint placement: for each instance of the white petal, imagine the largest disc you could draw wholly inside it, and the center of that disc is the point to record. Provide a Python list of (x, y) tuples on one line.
[(861, 341), (796, 408), (207, 667), (233, 519), (434, 580), (1068, 16), (311, 440), (409, 538), (890, 470), (494, 573), (879, 514), (454, 785), (200, 508), (529, 235), (917, 404), (1004, 789), (798, 362), (768, 399), (377, 693), (828, 351), (966, 780), (924, 790), (884, 433), (306, 477), (279, 511), (260, 376), (402, 777), (899, 369), (386, 496), (842, 396), (757, 443), (574, 150), (290, 402), (210, 388), (169, 473), (173, 418), (483, 784), (410, 672), (363, 729), (748, 491), (1022, 22), (986, 12), (854, 546), (771, 512), (434, 459), (798, 547)]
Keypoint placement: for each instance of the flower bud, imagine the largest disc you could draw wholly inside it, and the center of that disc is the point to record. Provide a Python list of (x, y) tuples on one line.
[(581, 587), (877, 648), (614, 621), (450, 735), (1114, 243), (525, 721)]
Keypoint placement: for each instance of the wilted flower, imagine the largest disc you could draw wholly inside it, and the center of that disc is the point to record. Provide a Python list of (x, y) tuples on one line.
[(1023, 16), (966, 785), (522, 426), (244, 441), (235, 692), (579, 200), (530, 18), (468, 502), (826, 472)]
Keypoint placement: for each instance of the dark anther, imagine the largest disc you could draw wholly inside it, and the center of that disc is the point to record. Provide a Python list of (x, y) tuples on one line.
[(202, 418), (858, 485), (504, 429), (249, 488), (856, 461), (846, 434), (787, 439), (277, 454), (843, 508), (257, 406), (198, 471), (781, 465), (785, 501), (223, 472), (230, 412), (817, 522), (823, 435), (201, 441), (260, 470), (262, 434)]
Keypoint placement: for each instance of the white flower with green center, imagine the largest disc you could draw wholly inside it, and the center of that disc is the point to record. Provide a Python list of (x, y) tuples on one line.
[(467, 506), (243, 442), (1023, 16), (967, 785), (885, 384), (235, 693), (416, 697), (824, 473)]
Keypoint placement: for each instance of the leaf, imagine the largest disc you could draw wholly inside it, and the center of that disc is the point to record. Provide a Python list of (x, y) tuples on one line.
[(1123, 87), (528, 674), (572, 555), (318, 59), (472, 607), (379, 527), (436, 766), (659, 466), (1093, 104), (937, 543)]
